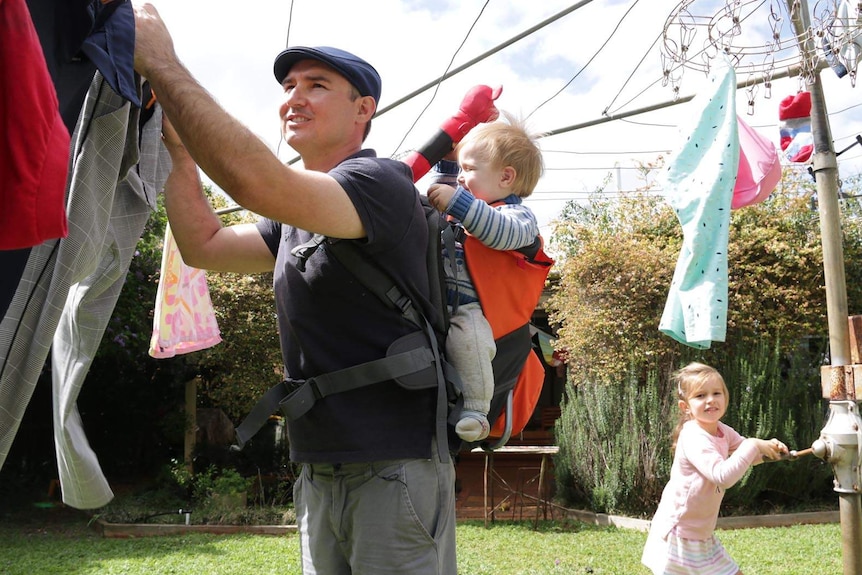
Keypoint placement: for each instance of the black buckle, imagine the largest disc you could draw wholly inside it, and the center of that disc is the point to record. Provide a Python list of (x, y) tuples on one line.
[(300, 399), (304, 251)]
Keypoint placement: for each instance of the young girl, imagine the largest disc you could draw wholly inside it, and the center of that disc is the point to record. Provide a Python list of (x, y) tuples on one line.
[(709, 457)]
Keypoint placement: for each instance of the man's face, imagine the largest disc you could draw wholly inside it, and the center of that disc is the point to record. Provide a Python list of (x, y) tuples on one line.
[(319, 109)]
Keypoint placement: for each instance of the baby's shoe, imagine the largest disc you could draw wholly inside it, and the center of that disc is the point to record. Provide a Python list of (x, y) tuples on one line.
[(473, 426)]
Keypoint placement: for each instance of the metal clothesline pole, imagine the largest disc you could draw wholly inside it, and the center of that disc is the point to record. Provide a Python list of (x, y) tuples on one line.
[(842, 397)]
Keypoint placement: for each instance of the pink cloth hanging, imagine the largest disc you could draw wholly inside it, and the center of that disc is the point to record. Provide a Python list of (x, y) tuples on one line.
[(759, 167), (184, 320)]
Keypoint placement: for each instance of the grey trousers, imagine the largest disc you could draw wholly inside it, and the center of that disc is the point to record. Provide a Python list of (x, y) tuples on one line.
[(69, 287), (471, 349), (382, 518)]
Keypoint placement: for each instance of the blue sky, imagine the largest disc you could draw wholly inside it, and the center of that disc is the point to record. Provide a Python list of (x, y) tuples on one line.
[(411, 43)]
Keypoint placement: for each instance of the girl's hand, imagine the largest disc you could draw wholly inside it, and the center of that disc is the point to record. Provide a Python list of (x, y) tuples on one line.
[(771, 449)]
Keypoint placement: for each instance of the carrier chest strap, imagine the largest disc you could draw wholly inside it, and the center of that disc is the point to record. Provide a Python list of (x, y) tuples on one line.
[(300, 401), (375, 280), (381, 285), (295, 397), (419, 367)]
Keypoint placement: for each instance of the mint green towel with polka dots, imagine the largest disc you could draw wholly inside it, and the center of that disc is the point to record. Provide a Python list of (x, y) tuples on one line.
[(699, 187)]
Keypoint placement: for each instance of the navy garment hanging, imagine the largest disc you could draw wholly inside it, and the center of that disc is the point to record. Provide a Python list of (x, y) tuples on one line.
[(67, 29), (12, 263), (62, 26), (79, 36), (111, 45)]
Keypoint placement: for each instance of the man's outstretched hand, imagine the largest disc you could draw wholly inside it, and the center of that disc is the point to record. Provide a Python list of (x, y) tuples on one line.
[(477, 107)]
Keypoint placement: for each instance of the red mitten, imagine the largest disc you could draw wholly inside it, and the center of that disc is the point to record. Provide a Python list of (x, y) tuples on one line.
[(476, 107)]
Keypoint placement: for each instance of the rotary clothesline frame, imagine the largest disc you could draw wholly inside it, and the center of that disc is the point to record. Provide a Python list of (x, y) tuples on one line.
[(691, 41)]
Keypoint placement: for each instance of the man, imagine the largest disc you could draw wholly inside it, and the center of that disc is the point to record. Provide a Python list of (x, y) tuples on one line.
[(373, 495)]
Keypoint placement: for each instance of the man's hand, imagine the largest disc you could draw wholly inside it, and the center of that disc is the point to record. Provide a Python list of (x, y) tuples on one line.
[(153, 42), (476, 107)]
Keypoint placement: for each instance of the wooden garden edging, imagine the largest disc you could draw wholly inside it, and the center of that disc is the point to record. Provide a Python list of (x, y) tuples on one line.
[(127, 530), (736, 522)]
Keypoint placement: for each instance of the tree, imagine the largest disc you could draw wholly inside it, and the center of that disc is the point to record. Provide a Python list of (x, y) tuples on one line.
[(618, 256)]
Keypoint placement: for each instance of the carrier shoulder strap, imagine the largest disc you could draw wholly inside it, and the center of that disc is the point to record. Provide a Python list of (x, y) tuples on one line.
[(379, 283), (409, 356)]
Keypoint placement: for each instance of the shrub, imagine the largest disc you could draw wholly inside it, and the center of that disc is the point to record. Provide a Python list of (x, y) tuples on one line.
[(614, 443), (229, 482), (614, 436), (615, 259)]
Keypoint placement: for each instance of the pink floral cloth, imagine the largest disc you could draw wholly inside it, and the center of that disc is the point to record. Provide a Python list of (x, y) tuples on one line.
[(184, 320)]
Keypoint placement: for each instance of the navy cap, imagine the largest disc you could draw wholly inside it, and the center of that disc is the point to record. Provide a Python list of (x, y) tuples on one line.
[(358, 72)]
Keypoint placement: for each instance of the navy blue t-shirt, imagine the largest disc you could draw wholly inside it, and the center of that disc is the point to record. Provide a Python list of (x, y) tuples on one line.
[(329, 321)]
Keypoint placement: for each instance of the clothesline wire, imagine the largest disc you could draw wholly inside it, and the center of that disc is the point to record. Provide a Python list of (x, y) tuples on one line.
[(631, 75), (595, 153), (622, 117), (286, 45), (542, 195), (593, 57), (289, 22), (470, 63), (437, 86), (485, 55), (229, 210), (789, 71)]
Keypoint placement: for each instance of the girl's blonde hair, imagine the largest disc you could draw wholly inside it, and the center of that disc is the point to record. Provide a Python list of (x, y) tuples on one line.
[(509, 143), (688, 381)]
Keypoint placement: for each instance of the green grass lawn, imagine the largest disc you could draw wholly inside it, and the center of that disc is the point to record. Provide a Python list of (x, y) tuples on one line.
[(42, 545)]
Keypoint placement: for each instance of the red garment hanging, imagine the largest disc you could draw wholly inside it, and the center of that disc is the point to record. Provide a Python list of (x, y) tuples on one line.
[(34, 156)]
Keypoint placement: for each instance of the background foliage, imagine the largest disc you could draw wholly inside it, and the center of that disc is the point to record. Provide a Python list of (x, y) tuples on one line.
[(618, 257), (132, 405), (235, 373)]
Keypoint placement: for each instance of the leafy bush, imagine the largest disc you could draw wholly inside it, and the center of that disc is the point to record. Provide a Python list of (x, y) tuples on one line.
[(616, 258), (229, 482), (138, 400), (775, 393), (614, 437), (177, 492), (614, 443), (238, 371)]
